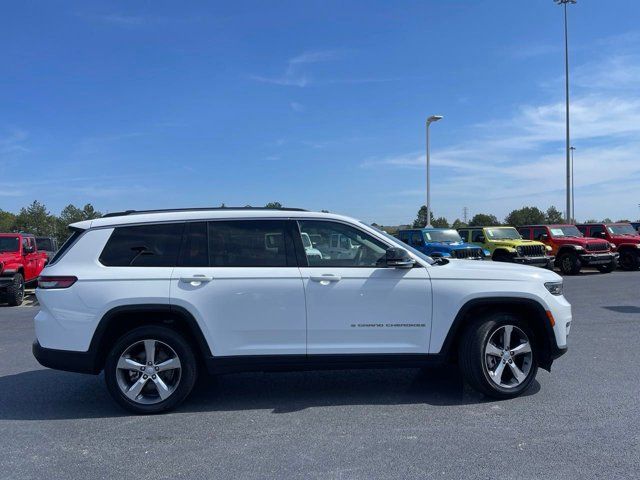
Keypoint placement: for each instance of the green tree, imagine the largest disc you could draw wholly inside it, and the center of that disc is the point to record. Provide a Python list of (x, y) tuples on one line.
[(554, 215), (525, 216), (36, 219), (457, 223), (421, 219), (483, 219), (440, 222), (72, 214), (7, 221), (273, 205), (607, 220)]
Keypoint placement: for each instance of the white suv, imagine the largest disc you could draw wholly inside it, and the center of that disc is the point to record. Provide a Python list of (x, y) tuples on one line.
[(154, 297)]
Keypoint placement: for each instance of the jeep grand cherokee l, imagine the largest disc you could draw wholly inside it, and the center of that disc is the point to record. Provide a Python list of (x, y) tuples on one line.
[(151, 298)]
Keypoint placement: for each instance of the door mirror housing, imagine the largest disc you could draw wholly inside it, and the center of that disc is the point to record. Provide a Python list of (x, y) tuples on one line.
[(28, 249), (601, 235), (397, 257), (544, 237)]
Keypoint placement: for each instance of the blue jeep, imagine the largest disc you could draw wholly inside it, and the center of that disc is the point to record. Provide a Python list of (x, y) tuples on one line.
[(441, 242)]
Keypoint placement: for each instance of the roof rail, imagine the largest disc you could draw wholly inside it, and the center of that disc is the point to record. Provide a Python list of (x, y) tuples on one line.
[(196, 209)]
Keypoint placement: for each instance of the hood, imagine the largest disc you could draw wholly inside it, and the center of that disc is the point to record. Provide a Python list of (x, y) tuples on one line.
[(492, 271), (453, 246), (8, 255), (625, 239), (515, 243), (579, 241)]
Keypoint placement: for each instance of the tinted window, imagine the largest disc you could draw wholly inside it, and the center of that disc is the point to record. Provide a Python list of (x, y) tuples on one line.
[(583, 230), (345, 246), (475, 236), (251, 243), (195, 249), (143, 246), (44, 244), (596, 230), (416, 239), (9, 244), (525, 232), (538, 232)]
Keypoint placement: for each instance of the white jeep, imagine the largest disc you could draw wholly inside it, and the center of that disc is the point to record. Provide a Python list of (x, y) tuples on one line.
[(153, 297)]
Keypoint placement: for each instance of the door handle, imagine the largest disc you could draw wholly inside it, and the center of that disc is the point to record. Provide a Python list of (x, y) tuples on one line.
[(325, 279), (196, 280)]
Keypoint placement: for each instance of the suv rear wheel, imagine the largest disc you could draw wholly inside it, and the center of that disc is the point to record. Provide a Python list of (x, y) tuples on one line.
[(498, 356), (151, 369)]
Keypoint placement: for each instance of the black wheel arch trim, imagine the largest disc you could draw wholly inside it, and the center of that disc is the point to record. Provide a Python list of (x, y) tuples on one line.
[(550, 350), (92, 361)]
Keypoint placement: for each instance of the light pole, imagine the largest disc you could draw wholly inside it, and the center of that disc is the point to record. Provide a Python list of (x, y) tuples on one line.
[(430, 120), (573, 190), (566, 75)]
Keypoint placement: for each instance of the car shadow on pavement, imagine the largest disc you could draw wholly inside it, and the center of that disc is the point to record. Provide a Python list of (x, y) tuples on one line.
[(53, 395)]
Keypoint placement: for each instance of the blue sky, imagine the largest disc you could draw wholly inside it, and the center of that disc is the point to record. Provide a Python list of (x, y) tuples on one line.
[(318, 104)]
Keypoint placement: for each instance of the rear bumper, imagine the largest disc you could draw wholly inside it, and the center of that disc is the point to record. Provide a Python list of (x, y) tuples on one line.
[(598, 258), (67, 360)]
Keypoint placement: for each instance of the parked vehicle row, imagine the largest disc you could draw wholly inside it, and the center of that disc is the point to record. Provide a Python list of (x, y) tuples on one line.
[(566, 247)]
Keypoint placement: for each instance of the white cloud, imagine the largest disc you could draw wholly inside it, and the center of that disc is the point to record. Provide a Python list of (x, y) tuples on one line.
[(507, 163), (294, 74), (13, 142)]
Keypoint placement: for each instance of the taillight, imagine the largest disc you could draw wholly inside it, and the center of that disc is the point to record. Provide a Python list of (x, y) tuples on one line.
[(48, 283)]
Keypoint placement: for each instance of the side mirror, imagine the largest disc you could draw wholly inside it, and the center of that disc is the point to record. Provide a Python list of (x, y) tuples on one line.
[(479, 239), (544, 237), (601, 235), (28, 250), (399, 258)]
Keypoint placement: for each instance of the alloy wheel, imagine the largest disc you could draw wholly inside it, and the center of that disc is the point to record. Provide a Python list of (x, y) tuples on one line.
[(508, 356), (148, 372)]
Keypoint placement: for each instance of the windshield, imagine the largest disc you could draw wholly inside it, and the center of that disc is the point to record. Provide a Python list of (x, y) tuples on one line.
[(503, 233), (409, 248), (9, 244), (565, 231), (621, 230), (444, 236)]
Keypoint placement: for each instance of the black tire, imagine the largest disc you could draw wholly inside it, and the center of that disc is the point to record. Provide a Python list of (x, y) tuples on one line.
[(15, 291), (472, 355), (183, 385), (607, 268), (569, 263), (629, 260)]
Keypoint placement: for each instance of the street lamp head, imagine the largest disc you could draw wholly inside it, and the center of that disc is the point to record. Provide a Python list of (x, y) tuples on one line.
[(564, 2), (572, 148), (434, 118)]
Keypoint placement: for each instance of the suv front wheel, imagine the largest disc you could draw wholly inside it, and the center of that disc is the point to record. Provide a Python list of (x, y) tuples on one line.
[(497, 356), (150, 369)]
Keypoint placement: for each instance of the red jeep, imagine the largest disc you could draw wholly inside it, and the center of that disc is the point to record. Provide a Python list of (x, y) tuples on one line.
[(571, 249), (622, 235), (20, 264)]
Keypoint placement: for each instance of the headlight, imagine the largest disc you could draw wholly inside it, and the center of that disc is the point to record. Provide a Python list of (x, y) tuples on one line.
[(487, 253), (613, 246), (549, 248), (555, 288), (579, 247)]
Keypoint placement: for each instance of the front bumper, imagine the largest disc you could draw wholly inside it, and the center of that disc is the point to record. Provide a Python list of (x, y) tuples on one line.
[(67, 360), (598, 258), (5, 281), (545, 261)]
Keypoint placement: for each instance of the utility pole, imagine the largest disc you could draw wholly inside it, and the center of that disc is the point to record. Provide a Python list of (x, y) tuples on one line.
[(465, 214), (566, 78)]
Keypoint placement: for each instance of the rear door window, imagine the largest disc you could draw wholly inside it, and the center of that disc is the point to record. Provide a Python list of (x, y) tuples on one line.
[(251, 243), (143, 246)]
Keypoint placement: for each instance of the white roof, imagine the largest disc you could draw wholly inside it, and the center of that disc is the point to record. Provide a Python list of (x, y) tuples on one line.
[(214, 214)]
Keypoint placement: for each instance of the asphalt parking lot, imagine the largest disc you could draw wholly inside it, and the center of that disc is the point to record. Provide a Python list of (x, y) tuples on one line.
[(580, 421)]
